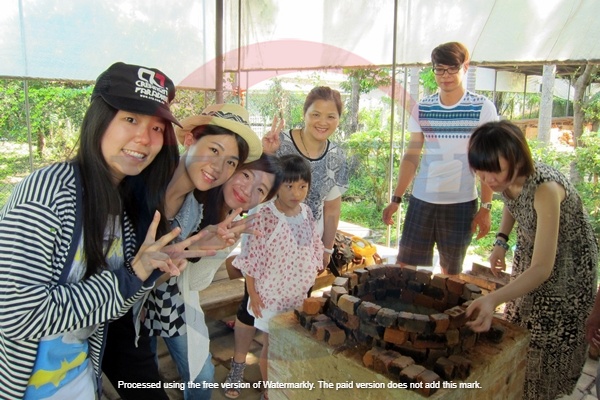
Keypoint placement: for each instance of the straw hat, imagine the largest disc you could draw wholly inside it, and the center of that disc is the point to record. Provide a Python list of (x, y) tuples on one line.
[(229, 116)]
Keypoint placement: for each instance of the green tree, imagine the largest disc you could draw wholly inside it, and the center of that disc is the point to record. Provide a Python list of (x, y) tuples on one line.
[(361, 81)]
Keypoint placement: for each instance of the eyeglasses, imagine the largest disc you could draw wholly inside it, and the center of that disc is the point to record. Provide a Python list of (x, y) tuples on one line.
[(450, 70)]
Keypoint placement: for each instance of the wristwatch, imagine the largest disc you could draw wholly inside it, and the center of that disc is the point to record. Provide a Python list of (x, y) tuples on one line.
[(397, 199), (501, 243), (487, 206)]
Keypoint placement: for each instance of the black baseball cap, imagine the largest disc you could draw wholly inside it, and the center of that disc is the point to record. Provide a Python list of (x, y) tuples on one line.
[(136, 89)]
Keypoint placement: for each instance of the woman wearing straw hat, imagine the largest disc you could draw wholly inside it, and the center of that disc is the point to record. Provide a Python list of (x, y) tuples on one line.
[(216, 142)]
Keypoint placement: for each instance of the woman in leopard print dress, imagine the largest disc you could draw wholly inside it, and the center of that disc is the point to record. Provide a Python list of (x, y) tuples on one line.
[(553, 280)]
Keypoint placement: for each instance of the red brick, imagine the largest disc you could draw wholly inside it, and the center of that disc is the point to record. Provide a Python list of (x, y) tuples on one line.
[(318, 329), (311, 306), (423, 276), (441, 321), (382, 361), (337, 292), (369, 356), (430, 381), (395, 335), (463, 366), (409, 374), (334, 336), (348, 304), (455, 285), (439, 281), (398, 364), (445, 368), (457, 316), (423, 300)]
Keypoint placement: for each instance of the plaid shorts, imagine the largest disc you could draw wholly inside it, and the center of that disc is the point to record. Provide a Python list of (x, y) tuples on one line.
[(446, 225)]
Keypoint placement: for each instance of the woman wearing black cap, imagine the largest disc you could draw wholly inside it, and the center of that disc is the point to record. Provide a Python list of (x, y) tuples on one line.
[(69, 259)]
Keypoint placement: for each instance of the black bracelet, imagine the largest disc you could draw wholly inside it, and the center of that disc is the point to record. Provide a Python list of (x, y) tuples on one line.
[(503, 236), (397, 199), (129, 267)]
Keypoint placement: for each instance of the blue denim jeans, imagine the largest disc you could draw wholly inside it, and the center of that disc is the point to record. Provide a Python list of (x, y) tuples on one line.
[(177, 346)]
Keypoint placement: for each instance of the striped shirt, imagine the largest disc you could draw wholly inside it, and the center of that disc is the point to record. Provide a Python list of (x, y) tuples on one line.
[(444, 176), (36, 230)]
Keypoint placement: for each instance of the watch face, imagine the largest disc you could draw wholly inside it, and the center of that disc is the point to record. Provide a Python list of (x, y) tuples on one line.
[(487, 205)]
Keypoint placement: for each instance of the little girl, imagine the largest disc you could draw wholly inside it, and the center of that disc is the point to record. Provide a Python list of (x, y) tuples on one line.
[(281, 265)]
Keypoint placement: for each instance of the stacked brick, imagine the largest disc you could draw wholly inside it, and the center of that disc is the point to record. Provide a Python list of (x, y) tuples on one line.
[(423, 345)]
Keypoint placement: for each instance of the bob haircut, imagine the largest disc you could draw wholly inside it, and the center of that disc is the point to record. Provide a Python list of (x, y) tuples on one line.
[(323, 93), (451, 53), (503, 139), (295, 168)]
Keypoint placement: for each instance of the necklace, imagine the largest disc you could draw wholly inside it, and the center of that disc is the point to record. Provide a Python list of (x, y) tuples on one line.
[(306, 148)]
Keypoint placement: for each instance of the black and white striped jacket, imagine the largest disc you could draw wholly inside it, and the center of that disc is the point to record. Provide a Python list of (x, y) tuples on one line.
[(36, 230)]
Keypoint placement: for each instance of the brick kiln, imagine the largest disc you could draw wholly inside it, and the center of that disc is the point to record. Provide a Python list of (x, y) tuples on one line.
[(391, 332)]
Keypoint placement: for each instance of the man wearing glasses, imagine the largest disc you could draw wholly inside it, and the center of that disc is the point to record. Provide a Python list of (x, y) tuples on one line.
[(444, 209)]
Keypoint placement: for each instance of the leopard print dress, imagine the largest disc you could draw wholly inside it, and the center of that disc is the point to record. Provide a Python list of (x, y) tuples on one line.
[(556, 311)]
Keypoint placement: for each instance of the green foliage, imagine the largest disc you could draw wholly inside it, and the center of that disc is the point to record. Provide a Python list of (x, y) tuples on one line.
[(368, 79), (591, 109), (278, 101), (588, 156), (427, 80)]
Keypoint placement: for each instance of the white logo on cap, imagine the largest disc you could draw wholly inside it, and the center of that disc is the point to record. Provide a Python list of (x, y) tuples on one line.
[(151, 86)]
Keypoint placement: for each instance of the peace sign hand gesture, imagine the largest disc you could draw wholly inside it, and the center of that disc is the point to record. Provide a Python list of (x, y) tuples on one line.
[(271, 140), (158, 254), (225, 233)]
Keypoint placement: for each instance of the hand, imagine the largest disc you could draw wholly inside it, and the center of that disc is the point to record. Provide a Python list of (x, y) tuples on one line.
[(151, 255), (183, 250), (483, 221), (482, 308), (256, 304), (226, 233), (388, 213), (592, 328), (271, 140), (497, 260)]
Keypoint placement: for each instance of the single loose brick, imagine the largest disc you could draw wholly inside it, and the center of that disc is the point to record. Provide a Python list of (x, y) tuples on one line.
[(439, 281), (367, 311), (318, 329), (399, 363), (409, 374), (348, 304), (427, 378), (457, 316), (311, 306), (441, 321), (387, 317), (395, 336), (369, 356), (455, 285), (445, 368), (383, 360), (334, 336), (342, 282), (336, 292), (423, 276), (409, 273), (463, 366)]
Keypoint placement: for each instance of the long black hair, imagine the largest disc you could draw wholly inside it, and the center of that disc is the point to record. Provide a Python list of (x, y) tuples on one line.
[(138, 196)]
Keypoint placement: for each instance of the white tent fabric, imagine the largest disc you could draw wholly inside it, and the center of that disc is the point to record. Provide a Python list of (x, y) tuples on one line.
[(77, 39)]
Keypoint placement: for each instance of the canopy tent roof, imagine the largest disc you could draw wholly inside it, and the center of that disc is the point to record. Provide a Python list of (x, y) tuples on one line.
[(77, 39)]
